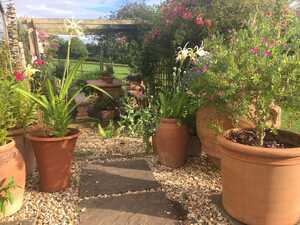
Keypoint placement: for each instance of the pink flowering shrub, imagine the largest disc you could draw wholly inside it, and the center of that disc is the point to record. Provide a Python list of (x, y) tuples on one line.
[(257, 67)]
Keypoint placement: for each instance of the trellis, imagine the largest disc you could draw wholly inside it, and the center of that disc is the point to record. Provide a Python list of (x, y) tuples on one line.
[(57, 27)]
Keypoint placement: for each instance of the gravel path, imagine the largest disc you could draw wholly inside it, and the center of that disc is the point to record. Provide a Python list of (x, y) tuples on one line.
[(196, 186)]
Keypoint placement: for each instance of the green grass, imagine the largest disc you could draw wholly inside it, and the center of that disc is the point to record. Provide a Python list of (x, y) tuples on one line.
[(90, 70), (294, 126)]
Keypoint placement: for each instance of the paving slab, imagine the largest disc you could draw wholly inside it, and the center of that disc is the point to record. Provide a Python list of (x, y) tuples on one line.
[(23, 222), (116, 177), (148, 208)]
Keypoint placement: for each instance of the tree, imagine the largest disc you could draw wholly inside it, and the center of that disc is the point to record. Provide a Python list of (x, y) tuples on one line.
[(78, 49)]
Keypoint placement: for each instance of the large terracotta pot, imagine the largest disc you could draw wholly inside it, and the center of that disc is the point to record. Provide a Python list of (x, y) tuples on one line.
[(12, 165), (24, 146), (54, 158), (172, 143), (261, 186)]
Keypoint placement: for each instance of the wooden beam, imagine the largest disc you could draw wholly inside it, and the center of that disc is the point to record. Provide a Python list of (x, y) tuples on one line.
[(57, 26)]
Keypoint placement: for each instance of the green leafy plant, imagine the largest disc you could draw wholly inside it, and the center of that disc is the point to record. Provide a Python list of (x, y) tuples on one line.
[(57, 103), (7, 120), (107, 132), (6, 197)]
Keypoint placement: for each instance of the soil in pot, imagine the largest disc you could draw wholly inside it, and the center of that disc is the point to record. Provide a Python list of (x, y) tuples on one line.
[(12, 165), (54, 158), (172, 143), (261, 185), (24, 146)]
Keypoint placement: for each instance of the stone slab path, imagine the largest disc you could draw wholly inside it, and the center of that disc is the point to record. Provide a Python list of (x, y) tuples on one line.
[(106, 201)]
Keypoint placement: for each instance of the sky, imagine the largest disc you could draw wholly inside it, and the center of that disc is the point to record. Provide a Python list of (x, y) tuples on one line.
[(80, 9)]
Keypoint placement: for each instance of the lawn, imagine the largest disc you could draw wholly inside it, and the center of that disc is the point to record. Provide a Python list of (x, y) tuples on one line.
[(90, 70), (295, 126)]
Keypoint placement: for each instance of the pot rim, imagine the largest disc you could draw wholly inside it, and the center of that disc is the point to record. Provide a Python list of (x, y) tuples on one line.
[(257, 151), (74, 134), (8, 146)]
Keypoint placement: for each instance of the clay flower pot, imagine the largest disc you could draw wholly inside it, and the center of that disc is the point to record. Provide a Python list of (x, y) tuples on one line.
[(24, 146), (262, 185), (172, 143), (54, 158), (12, 165), (107, 115), (207, 135)]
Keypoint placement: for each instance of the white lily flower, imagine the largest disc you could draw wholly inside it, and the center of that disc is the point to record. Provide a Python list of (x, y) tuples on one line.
[(201, 52), (73, 27)]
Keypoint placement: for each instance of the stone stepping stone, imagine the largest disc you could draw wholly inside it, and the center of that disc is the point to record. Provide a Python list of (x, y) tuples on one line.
[(148, 208), (23, 222), (116, 177)]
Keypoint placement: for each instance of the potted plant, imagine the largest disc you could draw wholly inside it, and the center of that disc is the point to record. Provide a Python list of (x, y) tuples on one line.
[(12, 166), (105, 108), (54, 143), (258, 68), (172, 134)]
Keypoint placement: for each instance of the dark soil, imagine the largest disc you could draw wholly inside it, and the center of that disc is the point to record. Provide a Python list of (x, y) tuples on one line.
[(250, 137)]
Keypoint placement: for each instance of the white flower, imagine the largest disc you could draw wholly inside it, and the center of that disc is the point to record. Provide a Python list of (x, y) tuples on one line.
[(73, 27), (201, 52)]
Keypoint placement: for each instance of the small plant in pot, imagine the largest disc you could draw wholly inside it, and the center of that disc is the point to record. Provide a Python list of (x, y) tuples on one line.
[(257, 68), (172, 134), (54, 144), (12, 165), (105, 108)]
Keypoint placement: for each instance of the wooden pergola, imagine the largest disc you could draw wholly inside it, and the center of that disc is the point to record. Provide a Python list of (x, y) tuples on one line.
[(57, 27)]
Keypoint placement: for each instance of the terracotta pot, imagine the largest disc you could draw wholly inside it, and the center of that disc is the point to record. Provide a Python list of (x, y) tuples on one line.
[(24, 146), (54, 158), (207, 135), (172, 143), (107, 115), (82, 111), (261, 186), (12, 165)]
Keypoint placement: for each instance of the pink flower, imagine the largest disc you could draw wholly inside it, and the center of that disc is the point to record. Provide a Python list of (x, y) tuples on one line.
[(188, 15), (38, 62), (267, 53), (199, 21), (254, 51), (19, 76)]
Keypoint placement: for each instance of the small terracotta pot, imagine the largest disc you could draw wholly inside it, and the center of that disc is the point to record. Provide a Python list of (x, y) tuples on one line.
[(261, 186), (82, 111), (172, 143), (54, 158), (12, 165), (24, 146), (107, 115)]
